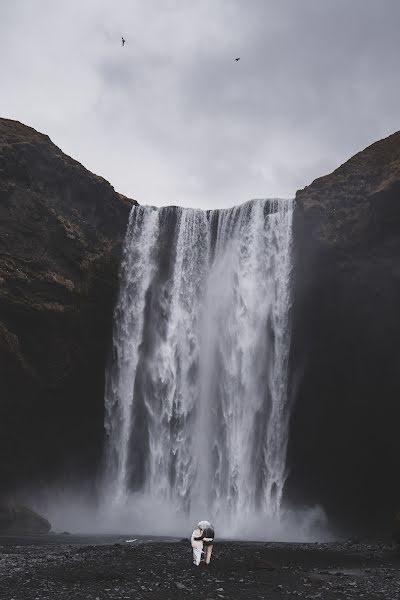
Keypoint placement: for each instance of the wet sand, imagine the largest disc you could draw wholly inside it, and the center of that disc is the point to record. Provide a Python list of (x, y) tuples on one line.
[(66, 567)]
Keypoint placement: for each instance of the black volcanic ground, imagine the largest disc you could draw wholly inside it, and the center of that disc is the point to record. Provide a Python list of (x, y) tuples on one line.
[(56, 567)]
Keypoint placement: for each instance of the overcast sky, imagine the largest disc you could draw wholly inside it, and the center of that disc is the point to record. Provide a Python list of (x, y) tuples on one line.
[(171, 118)]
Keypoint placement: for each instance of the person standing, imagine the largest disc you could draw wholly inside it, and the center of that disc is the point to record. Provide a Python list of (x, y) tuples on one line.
[(197, 545), (207, 539)]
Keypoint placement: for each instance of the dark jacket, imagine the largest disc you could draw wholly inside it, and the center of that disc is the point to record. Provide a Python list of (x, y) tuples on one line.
[(207, 536)]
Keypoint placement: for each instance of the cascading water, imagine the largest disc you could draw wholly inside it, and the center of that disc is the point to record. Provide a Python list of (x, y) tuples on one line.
[(196, 393)]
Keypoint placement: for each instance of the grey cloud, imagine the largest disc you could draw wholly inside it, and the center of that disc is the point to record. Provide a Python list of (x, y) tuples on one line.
[(171, 118)]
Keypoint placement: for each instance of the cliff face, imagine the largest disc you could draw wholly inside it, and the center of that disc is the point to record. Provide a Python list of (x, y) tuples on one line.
[(61, 230), (345, 444)]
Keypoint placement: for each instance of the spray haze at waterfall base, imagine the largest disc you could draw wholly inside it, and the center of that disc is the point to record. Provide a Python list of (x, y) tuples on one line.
[(197, 404)]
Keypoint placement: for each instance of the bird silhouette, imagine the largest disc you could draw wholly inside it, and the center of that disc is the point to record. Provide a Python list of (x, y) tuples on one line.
[(123, 41), (237, 59)]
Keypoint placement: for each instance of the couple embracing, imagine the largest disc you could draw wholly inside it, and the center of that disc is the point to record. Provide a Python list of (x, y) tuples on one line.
[(202, 542)]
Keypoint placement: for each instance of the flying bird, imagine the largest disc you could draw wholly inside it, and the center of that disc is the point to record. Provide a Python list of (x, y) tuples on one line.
[(237, 59), (123, 42)]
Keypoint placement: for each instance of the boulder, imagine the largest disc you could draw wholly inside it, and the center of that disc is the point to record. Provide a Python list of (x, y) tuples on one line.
[(21, 520)]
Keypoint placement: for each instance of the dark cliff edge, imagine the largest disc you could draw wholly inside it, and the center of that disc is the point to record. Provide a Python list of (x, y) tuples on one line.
[(61, 233), (344, 450)]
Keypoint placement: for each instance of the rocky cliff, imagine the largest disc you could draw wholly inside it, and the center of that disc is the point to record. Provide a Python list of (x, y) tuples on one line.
[(345, 445), (61, 229)]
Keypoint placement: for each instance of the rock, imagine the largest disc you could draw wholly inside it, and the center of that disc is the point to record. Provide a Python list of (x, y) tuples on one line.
[(61, 231), (345, 350), (22, 520), (180, 585)]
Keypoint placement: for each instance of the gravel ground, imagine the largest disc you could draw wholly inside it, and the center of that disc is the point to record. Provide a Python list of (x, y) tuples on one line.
[(66, 569)]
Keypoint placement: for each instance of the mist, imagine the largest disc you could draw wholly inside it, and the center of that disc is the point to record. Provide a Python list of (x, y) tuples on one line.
[(76, 512)]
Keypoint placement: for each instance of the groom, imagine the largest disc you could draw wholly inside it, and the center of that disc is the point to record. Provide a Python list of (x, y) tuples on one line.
[(202, 540)]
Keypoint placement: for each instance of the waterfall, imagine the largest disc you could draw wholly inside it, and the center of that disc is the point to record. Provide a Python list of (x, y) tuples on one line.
[(196, 402)]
